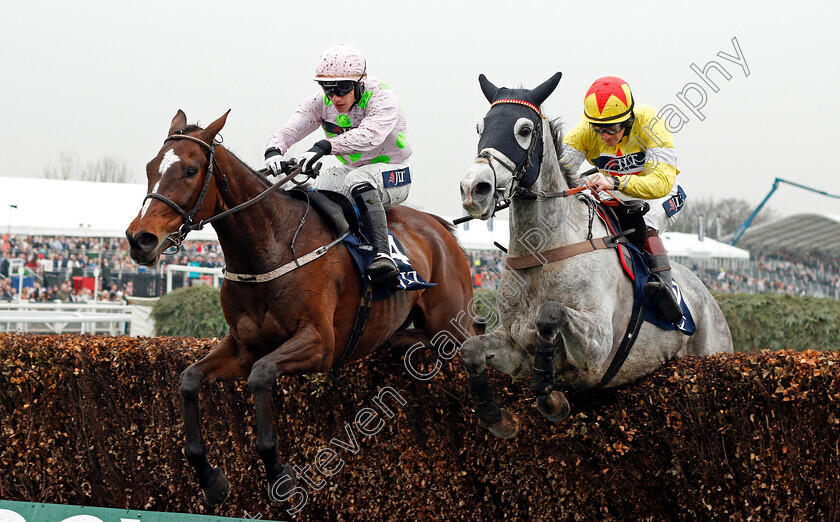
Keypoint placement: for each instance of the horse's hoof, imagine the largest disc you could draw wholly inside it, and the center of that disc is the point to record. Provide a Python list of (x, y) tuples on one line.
[(554, 406), (507, 428), (218, 490), (280, 489)]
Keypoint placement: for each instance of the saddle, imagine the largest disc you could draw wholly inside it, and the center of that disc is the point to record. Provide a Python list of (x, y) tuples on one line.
[(334, 207), (619, 220), (340, 214), (634, 259)]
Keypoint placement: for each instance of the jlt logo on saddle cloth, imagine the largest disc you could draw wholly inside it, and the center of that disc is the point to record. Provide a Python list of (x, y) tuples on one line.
[(396, 178)]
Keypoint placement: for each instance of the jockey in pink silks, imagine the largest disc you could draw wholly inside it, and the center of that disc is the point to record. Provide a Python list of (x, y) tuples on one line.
[(366, 131)]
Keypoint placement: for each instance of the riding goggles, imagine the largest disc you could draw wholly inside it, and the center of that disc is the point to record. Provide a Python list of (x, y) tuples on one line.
[(612, 130), (341, 88)]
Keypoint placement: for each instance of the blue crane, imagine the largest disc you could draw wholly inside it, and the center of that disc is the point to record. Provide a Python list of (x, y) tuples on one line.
[(746, 224)]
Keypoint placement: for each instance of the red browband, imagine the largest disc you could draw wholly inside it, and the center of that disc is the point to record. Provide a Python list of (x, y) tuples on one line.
[(520, 102)]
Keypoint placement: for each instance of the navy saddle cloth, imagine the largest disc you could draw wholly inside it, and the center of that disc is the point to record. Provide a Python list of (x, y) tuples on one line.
[(342, 216), (635, 266), (640, 270)]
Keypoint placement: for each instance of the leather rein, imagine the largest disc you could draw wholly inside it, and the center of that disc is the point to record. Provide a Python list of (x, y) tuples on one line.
[(187, 224), (517, 192)]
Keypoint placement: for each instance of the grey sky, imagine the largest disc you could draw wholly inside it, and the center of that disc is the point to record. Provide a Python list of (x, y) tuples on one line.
[(101, 78)]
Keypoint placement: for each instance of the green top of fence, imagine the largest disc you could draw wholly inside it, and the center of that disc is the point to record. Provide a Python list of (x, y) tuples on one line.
[(11, 511)]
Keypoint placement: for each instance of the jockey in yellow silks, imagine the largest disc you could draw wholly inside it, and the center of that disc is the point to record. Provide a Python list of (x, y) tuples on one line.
[(635, 156)]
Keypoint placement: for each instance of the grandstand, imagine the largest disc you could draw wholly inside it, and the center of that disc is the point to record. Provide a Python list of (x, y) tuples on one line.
[(52, 207), (798, 233), (65, 231)]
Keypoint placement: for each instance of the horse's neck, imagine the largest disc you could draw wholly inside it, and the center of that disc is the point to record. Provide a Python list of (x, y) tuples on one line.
[(249, 238), (550, 221)]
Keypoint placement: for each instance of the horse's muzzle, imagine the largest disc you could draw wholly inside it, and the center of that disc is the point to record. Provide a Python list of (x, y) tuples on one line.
[(144, 247), (477, 193)]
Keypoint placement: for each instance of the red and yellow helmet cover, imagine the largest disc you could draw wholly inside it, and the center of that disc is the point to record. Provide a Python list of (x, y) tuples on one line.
[(608, 100)]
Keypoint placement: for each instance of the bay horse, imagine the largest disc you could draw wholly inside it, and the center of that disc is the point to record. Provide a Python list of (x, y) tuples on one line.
[(567, 317), (299, 322)]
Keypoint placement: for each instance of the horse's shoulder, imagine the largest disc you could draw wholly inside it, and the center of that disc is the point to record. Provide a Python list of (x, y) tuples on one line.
[(410, 217)]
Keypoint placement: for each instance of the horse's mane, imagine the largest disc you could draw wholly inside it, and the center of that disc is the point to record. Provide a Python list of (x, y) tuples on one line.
[(451, 228), (556, 128), (195, 128)]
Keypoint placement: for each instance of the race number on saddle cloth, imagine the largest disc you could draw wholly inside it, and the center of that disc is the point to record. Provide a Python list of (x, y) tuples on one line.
[(363, 254)]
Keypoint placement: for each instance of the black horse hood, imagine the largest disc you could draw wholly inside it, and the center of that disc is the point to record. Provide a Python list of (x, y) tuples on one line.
[(508, 106)]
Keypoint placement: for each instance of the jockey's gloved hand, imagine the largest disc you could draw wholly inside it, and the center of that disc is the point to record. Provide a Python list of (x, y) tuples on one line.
[(600, 182), (308, 162), (275, 162)]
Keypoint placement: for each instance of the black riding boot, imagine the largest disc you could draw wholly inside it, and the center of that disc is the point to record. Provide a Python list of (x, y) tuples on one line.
[(373, 219), (659, 291)]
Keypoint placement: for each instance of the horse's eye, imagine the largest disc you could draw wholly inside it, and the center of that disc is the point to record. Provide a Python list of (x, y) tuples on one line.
[(479, 127), (525, 132), (191, 172)]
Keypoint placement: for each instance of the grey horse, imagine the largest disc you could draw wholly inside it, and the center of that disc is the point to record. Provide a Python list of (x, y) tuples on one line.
[(569, 315)]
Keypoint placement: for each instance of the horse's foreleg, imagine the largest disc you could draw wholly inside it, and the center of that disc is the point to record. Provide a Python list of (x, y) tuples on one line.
[(293, 356), (221, 363), (497, 350), (578, 335)]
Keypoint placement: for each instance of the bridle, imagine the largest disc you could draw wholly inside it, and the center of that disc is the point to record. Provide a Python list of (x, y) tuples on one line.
[(187, 225), (515, 191), (516, 170)]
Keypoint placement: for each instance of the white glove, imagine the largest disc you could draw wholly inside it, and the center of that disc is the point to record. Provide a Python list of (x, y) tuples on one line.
[(275, 162)]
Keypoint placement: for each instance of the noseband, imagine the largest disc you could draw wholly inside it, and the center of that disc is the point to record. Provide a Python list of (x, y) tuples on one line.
[(187, 224)]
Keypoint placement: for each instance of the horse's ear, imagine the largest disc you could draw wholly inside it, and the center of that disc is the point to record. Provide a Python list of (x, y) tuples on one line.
[(178, 122), (544, 90), (487, 88), (209, 134)]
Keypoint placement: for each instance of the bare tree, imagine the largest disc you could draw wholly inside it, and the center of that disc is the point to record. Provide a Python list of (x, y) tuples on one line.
[(106, 169), (67, 168), (732, 212)]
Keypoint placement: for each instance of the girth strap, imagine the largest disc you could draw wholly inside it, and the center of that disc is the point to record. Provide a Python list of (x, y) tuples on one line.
[(563, 252), (285, 269), (362, 316), (633, 327)]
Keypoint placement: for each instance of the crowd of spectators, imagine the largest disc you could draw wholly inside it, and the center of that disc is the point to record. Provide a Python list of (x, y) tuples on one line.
[(51, 263), (486, 267), (781, 272), (55, 260)]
